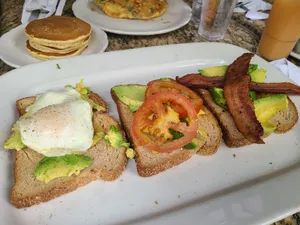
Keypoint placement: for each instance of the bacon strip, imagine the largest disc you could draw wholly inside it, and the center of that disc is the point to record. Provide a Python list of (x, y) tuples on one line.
[(200, 81), (241, 107)]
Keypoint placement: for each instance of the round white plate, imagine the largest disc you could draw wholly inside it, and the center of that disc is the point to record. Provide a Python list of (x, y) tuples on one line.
[(295, 55), (14, 53), (177, 15)]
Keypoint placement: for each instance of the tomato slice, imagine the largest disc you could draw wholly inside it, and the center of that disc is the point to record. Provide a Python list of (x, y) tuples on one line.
[(154, 118), (157, 86)]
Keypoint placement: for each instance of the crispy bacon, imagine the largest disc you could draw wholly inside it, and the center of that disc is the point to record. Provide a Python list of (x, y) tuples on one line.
[(200, 81), (241, 107)]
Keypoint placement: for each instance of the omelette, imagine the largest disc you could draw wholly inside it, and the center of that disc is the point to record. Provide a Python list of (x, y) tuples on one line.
[(133, 9)]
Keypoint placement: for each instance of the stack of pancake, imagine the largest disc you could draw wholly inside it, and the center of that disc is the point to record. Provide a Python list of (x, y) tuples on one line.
[(57, 37)]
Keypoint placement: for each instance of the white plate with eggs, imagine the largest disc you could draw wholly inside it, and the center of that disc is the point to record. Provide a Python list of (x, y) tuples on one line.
[(13, 51)]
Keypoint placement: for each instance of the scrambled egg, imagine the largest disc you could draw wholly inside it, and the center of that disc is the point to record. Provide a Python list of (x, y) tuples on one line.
[(133, 9)]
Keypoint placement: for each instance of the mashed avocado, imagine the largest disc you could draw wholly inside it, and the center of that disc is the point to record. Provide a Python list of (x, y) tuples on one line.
[(50, 168), (131, 95), (84, 92), (14, 141)]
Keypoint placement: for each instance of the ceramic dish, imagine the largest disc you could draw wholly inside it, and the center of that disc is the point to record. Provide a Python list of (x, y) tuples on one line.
[(14, 53), (258, 186), (177, 15)]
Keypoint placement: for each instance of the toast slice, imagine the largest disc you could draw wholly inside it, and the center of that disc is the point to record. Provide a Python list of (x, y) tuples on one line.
[(149, 163), (285, 120), (108, 164)]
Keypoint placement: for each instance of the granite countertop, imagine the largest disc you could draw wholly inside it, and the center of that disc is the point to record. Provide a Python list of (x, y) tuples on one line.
[(241, 32)]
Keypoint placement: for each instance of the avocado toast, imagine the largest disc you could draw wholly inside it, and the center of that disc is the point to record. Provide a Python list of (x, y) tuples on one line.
[(129, 98), (273, 112), (39, 178)]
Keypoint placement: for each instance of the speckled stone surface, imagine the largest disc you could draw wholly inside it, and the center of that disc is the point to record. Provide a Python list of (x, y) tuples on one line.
[(241, 32)]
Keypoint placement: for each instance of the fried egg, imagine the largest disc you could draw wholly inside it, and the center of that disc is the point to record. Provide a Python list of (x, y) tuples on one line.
[(58, 123)]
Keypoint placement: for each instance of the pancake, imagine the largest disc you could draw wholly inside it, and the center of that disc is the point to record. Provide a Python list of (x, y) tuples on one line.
[(58, 31), (43, 48), (47, 55), (133, 9)]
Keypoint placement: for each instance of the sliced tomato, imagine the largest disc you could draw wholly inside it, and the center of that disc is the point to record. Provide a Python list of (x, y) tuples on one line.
[(157, 86), (154, 118)]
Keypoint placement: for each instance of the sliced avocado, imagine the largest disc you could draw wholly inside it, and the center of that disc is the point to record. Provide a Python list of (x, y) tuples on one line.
[(252, 95), (192, 144), (252, 67), (132, 95), (50, 168), (115, 138), (265, 108), (218, 96), (214, 71), (15, 140), (177, 135), (258, 75)]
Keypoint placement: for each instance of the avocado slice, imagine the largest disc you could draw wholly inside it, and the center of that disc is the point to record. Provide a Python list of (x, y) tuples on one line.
[(177, 135), (115, 138), (131, 95), (258, 75), (214, 71), (218, 96), (252, 95), (15, 140), (265, 108), (50, 168)]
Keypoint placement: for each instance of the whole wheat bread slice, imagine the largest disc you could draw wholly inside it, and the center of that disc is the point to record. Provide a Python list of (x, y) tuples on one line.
[(285, 120), (148, 163), (108, 164)]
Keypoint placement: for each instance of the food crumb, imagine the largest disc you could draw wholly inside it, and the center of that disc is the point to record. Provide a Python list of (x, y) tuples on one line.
[(234, 155), (166, 22), (121, 180), (270, 163), (93, 9), (156, 202), (179, 196), (58, 66), (50, 216)]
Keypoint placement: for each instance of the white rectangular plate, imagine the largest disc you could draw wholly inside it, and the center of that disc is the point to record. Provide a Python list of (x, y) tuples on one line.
[(258, 186)]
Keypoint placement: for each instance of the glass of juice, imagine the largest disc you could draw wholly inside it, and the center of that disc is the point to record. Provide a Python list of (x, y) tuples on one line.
[(282, 30), (215, 17)]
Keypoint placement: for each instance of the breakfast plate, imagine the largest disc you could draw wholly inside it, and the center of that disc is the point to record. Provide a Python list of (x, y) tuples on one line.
[(13, 51), (177, 15), (256, 184)]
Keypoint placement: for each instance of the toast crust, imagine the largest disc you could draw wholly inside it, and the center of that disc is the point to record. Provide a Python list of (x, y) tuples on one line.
[(162, 161), (28, 191)]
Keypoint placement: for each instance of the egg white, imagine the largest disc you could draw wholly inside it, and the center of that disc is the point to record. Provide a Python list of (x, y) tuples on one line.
[(59, 123)]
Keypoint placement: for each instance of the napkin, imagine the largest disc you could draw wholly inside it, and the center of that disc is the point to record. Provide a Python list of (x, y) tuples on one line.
[(254, 6), (288, 68), (38, 9)]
